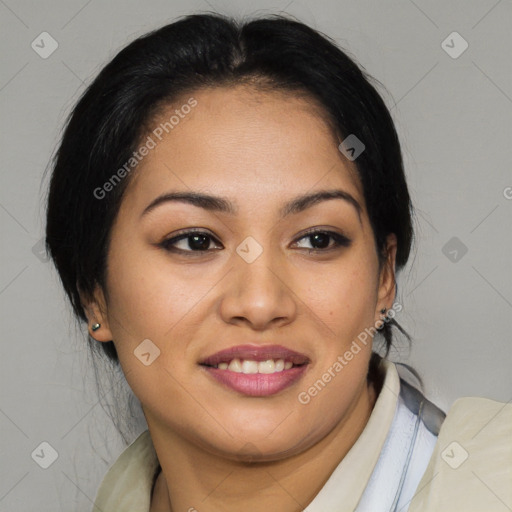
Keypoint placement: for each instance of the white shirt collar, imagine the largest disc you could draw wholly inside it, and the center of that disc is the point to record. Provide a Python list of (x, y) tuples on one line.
[(348, 481)]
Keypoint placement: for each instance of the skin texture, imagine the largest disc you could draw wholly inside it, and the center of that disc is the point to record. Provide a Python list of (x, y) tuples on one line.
[(259, 150)]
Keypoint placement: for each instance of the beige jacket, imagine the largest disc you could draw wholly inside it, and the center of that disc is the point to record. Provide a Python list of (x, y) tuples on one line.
[(471, 467)]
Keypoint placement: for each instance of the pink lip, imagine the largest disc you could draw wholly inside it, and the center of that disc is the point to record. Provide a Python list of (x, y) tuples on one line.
[(256, 353), (256, 384)]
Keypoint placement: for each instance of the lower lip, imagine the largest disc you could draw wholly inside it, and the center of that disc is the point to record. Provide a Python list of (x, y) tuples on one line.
[(257, 384)]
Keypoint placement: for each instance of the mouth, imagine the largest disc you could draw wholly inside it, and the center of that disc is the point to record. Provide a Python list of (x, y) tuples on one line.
[(253, 370)]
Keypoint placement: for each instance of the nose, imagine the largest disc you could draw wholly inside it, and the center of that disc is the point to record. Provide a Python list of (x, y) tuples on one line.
[(259, 293)]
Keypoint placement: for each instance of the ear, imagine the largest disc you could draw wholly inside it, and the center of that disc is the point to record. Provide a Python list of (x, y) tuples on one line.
[(387, 283), (95, 308)]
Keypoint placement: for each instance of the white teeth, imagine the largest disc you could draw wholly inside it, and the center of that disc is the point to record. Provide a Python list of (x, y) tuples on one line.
[(266, 366), (249, 366), (235, 366)]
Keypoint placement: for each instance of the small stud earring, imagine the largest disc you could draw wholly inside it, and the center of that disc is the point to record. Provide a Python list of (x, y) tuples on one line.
[(383, 320), (95, 327)]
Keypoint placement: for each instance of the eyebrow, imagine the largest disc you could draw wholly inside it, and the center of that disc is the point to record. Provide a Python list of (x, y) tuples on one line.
[(224, 205)]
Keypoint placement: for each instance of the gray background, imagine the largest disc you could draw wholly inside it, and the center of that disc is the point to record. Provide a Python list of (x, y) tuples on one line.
[(453, 116)]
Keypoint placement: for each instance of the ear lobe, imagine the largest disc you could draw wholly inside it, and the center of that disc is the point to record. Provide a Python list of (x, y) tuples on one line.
[(95, 309)]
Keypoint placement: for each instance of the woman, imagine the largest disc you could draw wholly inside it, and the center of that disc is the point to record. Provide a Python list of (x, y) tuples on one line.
[(228, 211)]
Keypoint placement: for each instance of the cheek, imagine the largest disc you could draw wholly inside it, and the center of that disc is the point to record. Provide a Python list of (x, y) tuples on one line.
[(344, 348), (146, 299), (344, 298), (149, 303)]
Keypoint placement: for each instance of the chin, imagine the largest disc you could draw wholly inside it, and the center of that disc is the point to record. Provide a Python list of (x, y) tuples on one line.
[(262, 441)]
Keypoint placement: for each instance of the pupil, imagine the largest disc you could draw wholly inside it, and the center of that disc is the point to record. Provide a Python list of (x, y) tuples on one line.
[(204, 242), (322, 237)]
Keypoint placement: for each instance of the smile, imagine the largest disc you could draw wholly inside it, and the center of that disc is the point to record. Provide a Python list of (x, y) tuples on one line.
[(254, 370)]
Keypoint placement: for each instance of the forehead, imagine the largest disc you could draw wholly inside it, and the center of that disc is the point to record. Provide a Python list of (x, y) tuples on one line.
[(241, 142)]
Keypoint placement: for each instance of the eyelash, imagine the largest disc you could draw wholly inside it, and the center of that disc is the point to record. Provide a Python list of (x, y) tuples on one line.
[(339, 241)]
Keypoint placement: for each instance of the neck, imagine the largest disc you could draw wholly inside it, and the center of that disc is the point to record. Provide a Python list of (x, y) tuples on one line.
[(193, 478)]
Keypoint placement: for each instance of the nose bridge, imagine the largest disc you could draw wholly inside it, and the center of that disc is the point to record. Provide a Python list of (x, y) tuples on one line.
[(257, 266), (257, 270)]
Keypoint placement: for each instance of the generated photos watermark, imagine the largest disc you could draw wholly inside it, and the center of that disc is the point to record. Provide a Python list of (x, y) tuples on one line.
[(304, 397), (144, 150)]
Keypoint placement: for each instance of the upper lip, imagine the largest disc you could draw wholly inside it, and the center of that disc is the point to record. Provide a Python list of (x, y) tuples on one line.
[(255, 353)]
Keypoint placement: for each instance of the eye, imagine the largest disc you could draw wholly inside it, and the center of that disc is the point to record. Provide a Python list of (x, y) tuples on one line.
[(191, 241), (196, 241), (321, 240)]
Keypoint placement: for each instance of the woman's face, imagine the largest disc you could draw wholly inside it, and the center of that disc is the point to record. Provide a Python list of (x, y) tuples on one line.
[(251, 284)]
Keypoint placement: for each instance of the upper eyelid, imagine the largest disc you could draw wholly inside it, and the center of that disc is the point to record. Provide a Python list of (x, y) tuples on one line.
[(201, 231)]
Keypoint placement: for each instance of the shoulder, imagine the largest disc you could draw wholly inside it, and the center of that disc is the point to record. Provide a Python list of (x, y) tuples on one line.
[(471, 465), (128, 482)]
